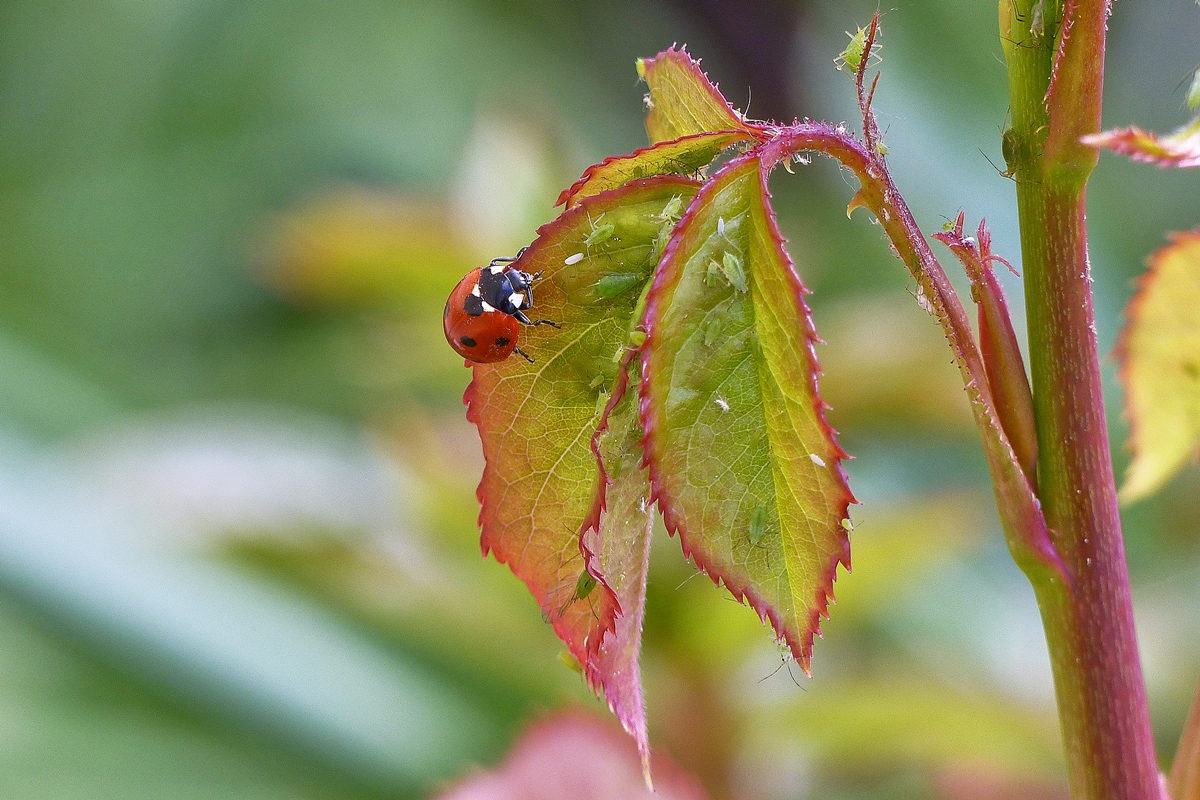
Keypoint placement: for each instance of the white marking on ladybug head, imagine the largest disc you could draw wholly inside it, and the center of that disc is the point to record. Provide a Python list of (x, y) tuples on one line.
[(575, 259), (475, 290), (486, 306), (497, 268), (516, 298)]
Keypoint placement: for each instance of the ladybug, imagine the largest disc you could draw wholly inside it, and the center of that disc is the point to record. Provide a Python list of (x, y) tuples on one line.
[(482, 314)]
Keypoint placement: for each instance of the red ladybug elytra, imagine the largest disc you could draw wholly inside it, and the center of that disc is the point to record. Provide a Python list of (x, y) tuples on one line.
[(482, 315)]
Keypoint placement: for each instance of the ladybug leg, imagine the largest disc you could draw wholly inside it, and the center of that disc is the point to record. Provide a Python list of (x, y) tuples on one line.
[(520, 317), (522, 354)]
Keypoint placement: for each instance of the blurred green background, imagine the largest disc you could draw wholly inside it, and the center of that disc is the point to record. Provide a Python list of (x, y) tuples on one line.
[(238, 555)]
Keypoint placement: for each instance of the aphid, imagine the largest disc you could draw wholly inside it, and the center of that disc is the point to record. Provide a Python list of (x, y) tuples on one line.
[(712, 331), (850, 59), (601, 402), (569, 661), (758, 524), (710, 275), (583, 588), (599, 233), (482, 314), (1037, 27), (731, 267), (673, 210), (616, 284)]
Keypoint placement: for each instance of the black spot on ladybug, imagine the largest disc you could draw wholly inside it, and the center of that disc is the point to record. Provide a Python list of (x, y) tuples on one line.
[(467, 341), (502, 341), (473, 305)]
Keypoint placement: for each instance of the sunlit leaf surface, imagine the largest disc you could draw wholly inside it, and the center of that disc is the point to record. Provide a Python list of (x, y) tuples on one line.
[(745, 468), (1179, 149), (682, 100), (1161, 367), (684, 156), (537, 419)]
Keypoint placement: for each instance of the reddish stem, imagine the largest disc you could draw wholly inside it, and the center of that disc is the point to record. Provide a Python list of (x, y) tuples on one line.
[(1024, 526), (1055, 94)]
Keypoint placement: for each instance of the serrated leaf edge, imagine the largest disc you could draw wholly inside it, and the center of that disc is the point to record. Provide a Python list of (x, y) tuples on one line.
[(1122, 350), (681, 55), (800, 642), (571, 193)]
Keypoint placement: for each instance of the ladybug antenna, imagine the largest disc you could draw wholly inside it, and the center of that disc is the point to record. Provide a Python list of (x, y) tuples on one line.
[(509, 259)]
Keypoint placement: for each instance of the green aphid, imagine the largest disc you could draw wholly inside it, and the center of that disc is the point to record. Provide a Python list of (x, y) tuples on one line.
[(1010, 148), (712, 332), (1037, 27), (731, 266), (569, 661), (585, 585), (637, 338), (851, 58), (673, 210), (599, 234), (601, 402), (758, 524), (710, 277), (615, 285)]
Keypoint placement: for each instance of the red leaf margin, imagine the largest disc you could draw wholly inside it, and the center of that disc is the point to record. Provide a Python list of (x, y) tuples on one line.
[(801, 647), (681, 57), (570, 196), (586, 649), (584, 652), (1180, 149), (624, 696)]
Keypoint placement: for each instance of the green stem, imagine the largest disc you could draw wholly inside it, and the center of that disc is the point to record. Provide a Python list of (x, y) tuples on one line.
[(1089, 618)]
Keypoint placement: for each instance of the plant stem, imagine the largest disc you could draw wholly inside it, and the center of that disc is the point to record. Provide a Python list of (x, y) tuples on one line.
[(1089, 619)]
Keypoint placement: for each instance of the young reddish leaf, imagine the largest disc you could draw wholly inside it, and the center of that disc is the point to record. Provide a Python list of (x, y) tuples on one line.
[(536, 420), (685, 156), (1180, 149), (1160, 367), (575, 756), (742, 461), (620, 548), (682, 100), (1002, 362)]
